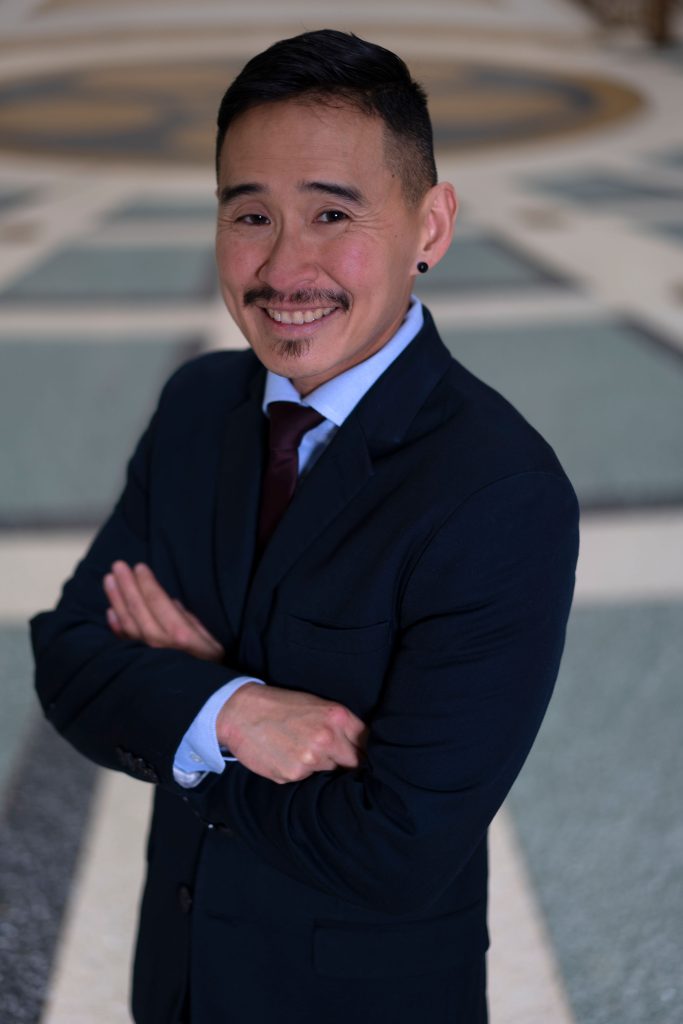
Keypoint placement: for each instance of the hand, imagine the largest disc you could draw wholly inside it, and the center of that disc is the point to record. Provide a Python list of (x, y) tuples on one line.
[(140, 609), (286, 735)]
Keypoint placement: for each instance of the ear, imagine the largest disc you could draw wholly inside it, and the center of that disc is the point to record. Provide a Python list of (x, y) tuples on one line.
[(439, 210)]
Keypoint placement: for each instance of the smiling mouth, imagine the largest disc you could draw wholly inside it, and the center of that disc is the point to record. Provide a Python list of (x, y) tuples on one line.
[(299, 316)]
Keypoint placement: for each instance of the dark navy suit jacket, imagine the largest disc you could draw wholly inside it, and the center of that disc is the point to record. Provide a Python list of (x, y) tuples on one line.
[(422, 576)]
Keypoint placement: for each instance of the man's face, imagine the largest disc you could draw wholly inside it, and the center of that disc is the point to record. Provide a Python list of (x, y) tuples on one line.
[(316, 244)]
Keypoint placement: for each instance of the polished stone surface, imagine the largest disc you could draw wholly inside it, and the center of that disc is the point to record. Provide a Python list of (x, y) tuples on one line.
[(43, 819), (90, 274), (74, 421), (19, 706), (598, 814), (485, 263), (604, 393), (671, 229), (174, 209), (602, 187), (11, 198), (164, 112), (562, 289)]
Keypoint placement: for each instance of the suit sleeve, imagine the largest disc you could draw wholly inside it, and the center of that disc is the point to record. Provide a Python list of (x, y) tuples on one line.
[(483, 619), (124, 705)]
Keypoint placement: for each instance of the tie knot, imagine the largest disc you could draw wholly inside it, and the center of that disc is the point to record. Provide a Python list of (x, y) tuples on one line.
[(289, 421)]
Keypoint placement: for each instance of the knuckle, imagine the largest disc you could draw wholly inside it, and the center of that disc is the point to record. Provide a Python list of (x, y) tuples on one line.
[(336, 714), (324, 737)]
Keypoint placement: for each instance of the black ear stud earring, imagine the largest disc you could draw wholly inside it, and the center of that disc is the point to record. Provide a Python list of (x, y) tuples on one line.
[(423, 267)]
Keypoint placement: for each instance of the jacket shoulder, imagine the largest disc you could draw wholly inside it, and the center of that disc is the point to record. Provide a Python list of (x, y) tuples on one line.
[(223, 376), (498, 435)]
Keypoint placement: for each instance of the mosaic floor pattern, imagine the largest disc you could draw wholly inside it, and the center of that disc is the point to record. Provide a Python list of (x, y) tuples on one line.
[(159, 111)]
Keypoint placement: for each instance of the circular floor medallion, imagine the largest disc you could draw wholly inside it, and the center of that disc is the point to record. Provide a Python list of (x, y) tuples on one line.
[(165, 112)]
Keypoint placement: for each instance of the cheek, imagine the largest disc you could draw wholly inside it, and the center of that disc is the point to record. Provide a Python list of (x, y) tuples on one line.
[(359, 267), (234, 258)]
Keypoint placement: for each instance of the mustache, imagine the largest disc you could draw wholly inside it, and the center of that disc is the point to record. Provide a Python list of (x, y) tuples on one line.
[(307, 297)]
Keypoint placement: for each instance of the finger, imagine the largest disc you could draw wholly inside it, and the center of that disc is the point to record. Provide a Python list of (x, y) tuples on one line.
[(135, 604), (329, 748), (205, 642), (344, 755), (355, 731), (197, 623), (359, 737), (113, 621), (180, 628), (350, 738), (127, 625), (212, 645), (348, 725), (161, 606)]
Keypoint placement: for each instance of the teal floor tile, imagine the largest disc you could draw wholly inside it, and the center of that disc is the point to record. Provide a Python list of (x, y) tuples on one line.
[(671, 157), (598, 812), (673, 54), (73, 410), (164, 211), (604, 188), (12, 197), (482, 264), (133, 275), (671, 230), (605, 396)]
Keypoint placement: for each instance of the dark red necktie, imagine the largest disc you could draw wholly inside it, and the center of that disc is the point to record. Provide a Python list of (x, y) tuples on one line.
[(288, 424)]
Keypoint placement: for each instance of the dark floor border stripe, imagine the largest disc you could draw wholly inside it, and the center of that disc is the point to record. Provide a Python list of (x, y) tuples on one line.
[(46, 809)]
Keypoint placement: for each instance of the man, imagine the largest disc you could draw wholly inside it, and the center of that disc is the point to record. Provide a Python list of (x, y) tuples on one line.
[(374, 653)]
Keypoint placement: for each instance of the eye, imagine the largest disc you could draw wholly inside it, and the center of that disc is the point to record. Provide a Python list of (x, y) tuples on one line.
[(253, 218), (332, 216)]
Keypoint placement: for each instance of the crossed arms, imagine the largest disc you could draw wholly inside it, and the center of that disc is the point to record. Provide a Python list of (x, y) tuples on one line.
[(282, 735), (479, 634)]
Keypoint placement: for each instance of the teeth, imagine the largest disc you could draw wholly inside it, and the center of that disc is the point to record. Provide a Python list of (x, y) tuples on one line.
[(299, 316)]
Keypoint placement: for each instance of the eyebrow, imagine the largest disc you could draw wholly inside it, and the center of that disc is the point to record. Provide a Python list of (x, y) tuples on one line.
[(331, 188), (227, 194)]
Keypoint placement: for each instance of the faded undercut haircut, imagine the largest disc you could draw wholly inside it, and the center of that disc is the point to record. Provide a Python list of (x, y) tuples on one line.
[(334, 67)]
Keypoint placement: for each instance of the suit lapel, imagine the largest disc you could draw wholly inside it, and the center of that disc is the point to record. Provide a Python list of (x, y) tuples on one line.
[(333, 482), (238, 495), (378, 425)]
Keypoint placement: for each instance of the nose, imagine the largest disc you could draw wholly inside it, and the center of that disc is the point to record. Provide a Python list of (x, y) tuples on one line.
[(290, 263)]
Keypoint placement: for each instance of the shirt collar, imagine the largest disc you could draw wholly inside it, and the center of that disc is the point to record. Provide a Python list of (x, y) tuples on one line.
[(338, 397)]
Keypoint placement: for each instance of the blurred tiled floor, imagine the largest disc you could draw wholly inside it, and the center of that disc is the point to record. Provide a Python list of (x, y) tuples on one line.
[(564, 289)]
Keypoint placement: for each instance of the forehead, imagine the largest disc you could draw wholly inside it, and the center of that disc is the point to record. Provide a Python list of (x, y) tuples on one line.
[(298, 137)]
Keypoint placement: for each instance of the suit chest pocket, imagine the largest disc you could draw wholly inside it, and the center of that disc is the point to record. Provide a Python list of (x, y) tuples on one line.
[(357, 640), (344, 664)]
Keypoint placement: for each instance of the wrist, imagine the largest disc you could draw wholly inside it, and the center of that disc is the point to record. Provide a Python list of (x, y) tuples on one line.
[(227, 727)]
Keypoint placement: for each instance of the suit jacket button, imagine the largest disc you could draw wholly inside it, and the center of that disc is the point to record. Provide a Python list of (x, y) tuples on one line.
[(184, 899)]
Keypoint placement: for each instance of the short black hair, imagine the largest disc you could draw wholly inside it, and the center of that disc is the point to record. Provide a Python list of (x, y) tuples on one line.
[(339, 67)]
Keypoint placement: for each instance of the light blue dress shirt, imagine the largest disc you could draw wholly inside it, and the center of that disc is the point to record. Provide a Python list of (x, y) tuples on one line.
[(199, 752)]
